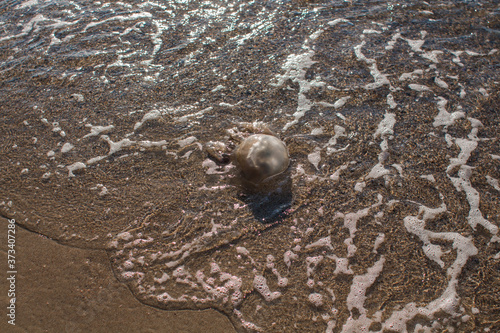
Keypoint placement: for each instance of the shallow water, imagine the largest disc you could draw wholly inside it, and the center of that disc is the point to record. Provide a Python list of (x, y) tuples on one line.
[(387, 219)]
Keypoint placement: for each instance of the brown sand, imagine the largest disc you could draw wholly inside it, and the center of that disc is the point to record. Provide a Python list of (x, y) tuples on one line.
[(66, 289)]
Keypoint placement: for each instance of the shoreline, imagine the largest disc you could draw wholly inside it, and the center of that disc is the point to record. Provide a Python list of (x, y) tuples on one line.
[(66, 289)]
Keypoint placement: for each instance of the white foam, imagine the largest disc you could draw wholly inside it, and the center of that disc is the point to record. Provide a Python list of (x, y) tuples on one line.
[(95, 159), (288, 256), (337, 21), (371, 31), (432, 55), (242, 250), (214, 169), (466, 149), (341, 102), (32, 26), (493, 182), (336, 175), (317, 131), (228, 105), (229, 291), (97, 130), (311, 264), (27, 3), (378, 241), (67, 147), (386, 126), (339, 132), (449, 299), (484, 92), (444, 118), (151, 115), (429, 178), (351, 220), (359, 54), (246, 324), (122, 18), (198, 114), (101, 187), (316, 299), (325, 104), (315, 157), (440, 83), (115, 147), (357, 297), (151, 144), (475, 216), (74, 167), (295, 68), (393, 41), (219, 87), (260, 284), (359, 186), (457, 59), (341, 265), (78, 97), (419, 87), (415, 44), (385, 130), (379, 78), (360, 283), (390, 101), (322, 242), (165, 277), (399, 168), (411, 76)]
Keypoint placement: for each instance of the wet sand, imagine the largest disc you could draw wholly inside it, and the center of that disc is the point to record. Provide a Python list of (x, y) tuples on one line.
[(67, 289), (390, 114)]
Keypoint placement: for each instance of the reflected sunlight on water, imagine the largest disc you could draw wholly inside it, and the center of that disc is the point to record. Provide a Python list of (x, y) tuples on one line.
[(387, 218)]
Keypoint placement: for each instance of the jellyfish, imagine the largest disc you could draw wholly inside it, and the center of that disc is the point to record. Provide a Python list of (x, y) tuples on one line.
[(261, 157)]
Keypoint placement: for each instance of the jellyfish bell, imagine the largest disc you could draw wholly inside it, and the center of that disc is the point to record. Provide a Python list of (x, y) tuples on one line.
[(261, 157), (262, 161)]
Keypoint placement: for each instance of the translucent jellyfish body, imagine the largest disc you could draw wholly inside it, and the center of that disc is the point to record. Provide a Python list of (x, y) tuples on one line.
[(261, 156)]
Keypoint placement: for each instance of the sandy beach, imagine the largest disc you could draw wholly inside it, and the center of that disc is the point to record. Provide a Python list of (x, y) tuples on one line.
[(123, 127), (67, 289)]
